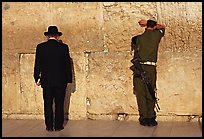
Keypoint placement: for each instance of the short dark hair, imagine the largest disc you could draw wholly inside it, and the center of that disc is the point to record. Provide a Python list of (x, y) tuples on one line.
[(151, 23)]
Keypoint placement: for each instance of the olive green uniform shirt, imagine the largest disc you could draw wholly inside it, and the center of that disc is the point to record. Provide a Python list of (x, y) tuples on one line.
[(147, 44)]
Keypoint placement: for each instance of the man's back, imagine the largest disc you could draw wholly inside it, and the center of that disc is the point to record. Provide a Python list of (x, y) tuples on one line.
[(53, 61), (148, 44)]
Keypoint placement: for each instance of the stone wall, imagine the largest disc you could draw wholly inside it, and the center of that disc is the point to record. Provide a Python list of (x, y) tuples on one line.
[(99, 36)]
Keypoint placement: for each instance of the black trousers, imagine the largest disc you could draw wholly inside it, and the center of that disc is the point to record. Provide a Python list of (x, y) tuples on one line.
[(56, 94)]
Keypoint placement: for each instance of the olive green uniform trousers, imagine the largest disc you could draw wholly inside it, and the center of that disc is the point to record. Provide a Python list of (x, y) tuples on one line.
[(145, 102)]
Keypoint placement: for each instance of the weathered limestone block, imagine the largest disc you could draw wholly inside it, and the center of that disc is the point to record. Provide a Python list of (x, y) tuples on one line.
[(10, 83), (78, 88), (183, 22), (23, 22), (80, 23), (31, 96), (109, 84), (179, 84), (121, 22)]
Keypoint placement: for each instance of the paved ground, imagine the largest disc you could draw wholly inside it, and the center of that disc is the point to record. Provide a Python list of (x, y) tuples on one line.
[(100, 128)]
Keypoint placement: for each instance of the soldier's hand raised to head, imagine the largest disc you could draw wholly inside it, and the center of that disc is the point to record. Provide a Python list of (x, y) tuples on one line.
[(142, 22), (159, 26)]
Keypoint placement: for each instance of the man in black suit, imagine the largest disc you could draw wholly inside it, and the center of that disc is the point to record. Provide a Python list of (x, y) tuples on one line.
[(52, 70)]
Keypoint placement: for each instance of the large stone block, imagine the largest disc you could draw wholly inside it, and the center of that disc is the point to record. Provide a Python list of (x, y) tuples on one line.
[(31, 95), (109, 84), (23, 22), (121, 22), (78, 89), (10, 83), (179, 84), (183, 23), (81, 24)]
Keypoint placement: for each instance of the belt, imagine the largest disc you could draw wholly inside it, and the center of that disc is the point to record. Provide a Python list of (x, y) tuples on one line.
[(148, 63)]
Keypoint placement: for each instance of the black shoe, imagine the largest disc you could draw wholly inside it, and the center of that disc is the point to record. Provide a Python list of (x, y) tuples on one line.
[(152, 122), (49, 129), (59, 129), (144, 122)]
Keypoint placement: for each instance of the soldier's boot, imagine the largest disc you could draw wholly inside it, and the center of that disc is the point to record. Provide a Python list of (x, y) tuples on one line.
[(144, 122), (152, 122)]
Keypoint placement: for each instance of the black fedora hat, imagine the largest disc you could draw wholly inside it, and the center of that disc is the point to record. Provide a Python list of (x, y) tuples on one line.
[(52, 30)]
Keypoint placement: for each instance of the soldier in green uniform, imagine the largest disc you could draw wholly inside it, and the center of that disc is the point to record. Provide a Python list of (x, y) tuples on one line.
[(145, 47)]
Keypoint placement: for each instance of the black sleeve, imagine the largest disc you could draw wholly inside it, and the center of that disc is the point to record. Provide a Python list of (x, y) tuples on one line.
[(134, 39), (134, 42), (37, 68)]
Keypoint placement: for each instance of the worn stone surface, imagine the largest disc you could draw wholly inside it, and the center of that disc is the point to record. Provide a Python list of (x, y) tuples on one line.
[(109, 84), (99, 35), (77, 90), (121, 22), (31, 96), (10, 83), (179, 83), (80, 23)]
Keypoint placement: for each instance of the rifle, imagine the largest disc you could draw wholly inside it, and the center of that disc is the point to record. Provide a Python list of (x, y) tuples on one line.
[(138, 66)]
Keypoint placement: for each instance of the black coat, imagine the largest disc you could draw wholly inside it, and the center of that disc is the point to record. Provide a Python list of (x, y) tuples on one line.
[(52, 64)]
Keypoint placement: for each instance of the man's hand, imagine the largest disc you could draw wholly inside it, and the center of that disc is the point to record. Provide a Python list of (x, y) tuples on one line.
[(38, 83), (159, 26), (142, 23)]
